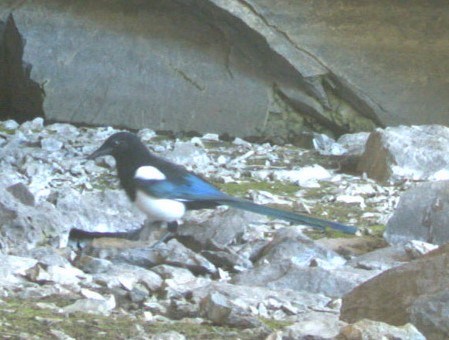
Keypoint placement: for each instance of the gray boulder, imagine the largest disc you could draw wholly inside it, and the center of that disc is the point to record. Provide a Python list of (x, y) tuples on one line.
[(381, 259), (354, 143), (407, 152), (216, 230), (93, 265), (292, 245), (288, 275), (219, 310), (352, 147), (422, 214), (396, 295), (430, 313)]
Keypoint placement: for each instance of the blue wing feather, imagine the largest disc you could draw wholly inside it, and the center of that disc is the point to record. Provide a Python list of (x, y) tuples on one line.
[(189, 187)]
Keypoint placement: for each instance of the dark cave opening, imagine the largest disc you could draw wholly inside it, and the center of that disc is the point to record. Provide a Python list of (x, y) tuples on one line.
[(21, 98)]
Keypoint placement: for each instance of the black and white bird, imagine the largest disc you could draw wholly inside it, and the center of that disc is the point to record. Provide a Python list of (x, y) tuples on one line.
[(164, 191)]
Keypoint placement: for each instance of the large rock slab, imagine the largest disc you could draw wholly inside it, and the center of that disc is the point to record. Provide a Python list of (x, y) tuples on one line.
[(247, 68), (182, 65), (422, 214), (393, 53), (394, 295), (406, 152)]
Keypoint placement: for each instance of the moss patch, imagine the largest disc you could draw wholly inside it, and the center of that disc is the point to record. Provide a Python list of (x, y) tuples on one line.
[(275, 325), (104, 181), (24, 319), (377, 230), (316, 234), (7, 131), (241, 189)]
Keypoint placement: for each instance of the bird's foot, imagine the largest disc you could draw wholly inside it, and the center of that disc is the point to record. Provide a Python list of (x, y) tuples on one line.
[(172, 228), (167, 236)]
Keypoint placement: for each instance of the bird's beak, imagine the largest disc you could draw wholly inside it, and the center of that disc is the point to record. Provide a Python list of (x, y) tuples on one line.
[(101, 151)]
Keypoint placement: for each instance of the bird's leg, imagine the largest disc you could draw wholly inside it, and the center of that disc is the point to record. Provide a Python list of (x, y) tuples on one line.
[(172, 228)]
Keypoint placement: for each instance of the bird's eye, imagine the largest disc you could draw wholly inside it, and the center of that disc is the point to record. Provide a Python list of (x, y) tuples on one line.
[(116, 143)]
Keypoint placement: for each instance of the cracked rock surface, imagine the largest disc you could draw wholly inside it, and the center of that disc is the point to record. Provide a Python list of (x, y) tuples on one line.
[(230, 69), (244, 67)]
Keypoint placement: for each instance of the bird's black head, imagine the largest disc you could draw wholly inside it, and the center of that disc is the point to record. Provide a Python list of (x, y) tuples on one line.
[(118, 145)]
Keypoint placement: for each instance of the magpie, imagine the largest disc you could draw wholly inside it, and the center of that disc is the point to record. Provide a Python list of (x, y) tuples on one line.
[(164, 191)]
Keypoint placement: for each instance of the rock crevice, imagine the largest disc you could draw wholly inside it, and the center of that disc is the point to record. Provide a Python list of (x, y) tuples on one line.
[(21, 98)]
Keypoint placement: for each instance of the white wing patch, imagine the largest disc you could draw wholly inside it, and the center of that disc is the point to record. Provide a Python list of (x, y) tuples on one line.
[(149, 173), (159, 209)]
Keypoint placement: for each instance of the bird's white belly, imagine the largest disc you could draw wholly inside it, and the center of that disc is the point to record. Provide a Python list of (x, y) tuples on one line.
[(159, 209)]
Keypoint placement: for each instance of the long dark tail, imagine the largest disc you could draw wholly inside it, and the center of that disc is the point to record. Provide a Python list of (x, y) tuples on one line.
[(288, 216)]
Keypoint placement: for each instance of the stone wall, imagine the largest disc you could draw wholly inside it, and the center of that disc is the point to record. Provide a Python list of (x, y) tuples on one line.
[(20, 96), (240, 67)]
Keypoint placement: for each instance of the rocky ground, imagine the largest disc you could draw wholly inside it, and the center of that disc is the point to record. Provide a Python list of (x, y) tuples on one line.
[(77, 263)]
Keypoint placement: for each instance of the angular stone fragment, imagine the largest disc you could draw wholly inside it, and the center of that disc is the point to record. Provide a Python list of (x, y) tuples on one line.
[(220, 311), (216, 230), (406, 152), (291, 244), (21, 192), (92, 306), (422, 214), (125, 275), (13, 267), (389, 297), (368, 329), (327, 327), (288, 275)]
